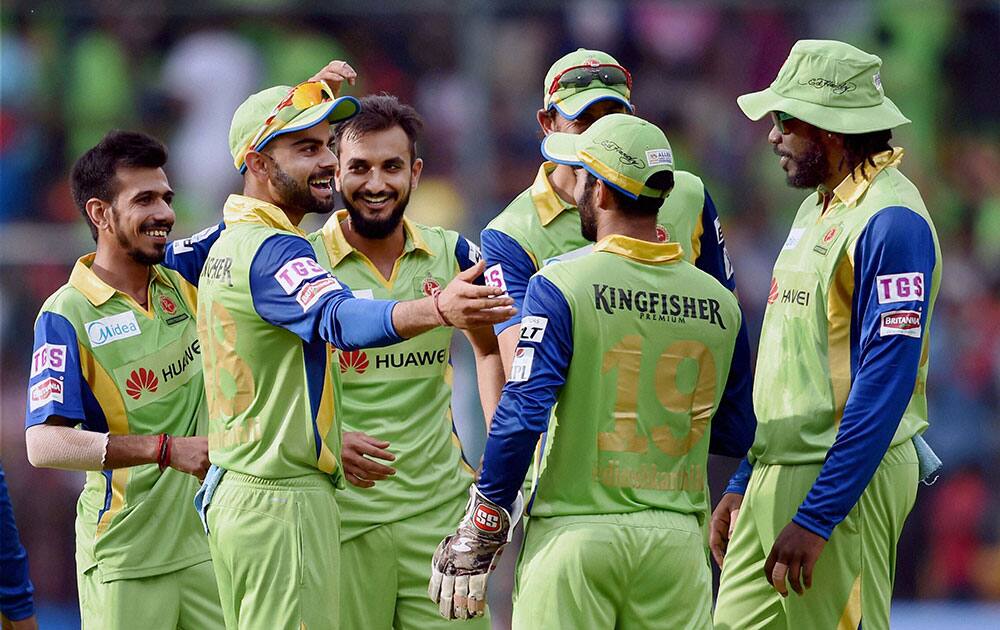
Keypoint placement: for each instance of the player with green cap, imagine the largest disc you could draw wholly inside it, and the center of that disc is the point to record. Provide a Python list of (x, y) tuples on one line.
[(542, 224), (409, 476), (842, 366), (632, 347), (267, 312)]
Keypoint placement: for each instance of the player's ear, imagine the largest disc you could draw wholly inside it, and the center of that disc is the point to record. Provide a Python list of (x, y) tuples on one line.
[(99, 213), (603, 193), (545, 120), (257, 164), (415, 171)]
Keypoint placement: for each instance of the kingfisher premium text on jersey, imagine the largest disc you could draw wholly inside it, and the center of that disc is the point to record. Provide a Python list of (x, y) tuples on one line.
[(657, 306)]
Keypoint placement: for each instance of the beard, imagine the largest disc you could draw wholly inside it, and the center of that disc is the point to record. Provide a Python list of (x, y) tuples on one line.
[(811, 168), (295, 195), (132, 250), (588, 213), (376, 228)]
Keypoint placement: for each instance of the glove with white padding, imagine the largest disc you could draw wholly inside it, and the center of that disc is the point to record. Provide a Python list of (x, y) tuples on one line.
[(464, 560)]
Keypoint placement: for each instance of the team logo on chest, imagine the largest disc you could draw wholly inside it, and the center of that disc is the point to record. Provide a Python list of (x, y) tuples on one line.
[(167, 305), (430, 286), (662, 233), (823, 247)]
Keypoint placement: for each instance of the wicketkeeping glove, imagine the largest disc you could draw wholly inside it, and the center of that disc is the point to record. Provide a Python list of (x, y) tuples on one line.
[(463, 561)]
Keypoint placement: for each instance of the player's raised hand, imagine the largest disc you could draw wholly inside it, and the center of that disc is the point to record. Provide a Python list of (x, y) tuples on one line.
[(190, 455), (467, 305), (463, 561), (720, 529), (793, 555), (361, 471), (335, 73)]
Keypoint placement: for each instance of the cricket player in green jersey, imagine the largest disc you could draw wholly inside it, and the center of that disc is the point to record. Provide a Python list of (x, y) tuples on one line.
[(397, 399), (116, 390), (632, 345), (267, 312), (842, 368)]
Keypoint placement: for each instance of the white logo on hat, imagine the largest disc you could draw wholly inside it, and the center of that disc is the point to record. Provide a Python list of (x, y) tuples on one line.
[(877, 80), (656, 157)]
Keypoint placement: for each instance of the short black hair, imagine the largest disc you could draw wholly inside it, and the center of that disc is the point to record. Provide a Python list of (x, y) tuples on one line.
[(378, 113), (643, 206), (93, 175), (859, 148)]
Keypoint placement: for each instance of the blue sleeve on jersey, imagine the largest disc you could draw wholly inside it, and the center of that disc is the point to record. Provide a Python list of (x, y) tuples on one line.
[(187, 255), (16, 602), (526, 403), (290, 290), (55, 384), (738, 482), (515, 269), (734, 423), (713, 258), (885, 356)]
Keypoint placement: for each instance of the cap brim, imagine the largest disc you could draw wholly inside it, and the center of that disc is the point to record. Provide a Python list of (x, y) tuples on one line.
[(883, 116), (561, 149), (337, 110), (573, 105)]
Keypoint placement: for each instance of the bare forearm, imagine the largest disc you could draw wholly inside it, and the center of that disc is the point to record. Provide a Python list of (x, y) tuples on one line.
[(507, 341), (131, 450), (490, 374), (414, 317)]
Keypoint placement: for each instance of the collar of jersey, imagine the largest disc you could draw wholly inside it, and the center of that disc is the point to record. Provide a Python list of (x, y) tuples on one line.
[(84, 280), (243, 209), (338, 247), (855, 185), (642, 251), (548, 204)]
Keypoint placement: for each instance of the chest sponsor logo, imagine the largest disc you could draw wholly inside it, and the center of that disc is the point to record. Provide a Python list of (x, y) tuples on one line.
[(772, 295), (494, 277), (533, 328), (520, 369), (430, 286), (664, 307), (662, 233), (184, 246), (141, 381), (293, 272), (48, 357), (486, 519), (112, 328), (411, 359), (218, 270), (311, 292), (49, 390), (905, 323), (794, 236), (168, 305), (355, 360), (900, 287), (179, 366)]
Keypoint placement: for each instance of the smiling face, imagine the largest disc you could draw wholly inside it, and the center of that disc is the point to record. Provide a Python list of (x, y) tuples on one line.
[(140, 217), (375, 175), (300, 171)]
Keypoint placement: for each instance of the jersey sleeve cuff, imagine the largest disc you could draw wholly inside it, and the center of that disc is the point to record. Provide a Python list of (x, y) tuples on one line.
[(740, 479), (813, 525)]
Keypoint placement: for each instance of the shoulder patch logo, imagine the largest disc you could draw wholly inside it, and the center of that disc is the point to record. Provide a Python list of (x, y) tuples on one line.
[(49, 356), (475, 254), (112, 328), (533, 328), (900, 287), (494, 277), (43, 392), (293, 272), (906, 323), (520, 369), (183, 246)]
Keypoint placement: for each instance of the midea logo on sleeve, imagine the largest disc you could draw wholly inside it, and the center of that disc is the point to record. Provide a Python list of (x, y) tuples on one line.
[(112, 328)]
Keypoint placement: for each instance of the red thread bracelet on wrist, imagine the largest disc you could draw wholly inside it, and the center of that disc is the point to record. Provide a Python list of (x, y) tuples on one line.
[(163, 460), (437, 309)]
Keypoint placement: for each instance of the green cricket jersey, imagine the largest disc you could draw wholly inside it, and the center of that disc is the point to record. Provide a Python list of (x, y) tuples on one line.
[(633, 347), (401, 393), (105, 362)]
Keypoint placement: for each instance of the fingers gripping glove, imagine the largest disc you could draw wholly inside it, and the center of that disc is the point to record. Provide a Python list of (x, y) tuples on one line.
[(463, 561)]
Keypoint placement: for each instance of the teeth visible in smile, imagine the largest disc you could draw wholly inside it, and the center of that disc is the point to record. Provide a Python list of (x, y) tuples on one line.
[(321, 183), (375, 198), (159, 233)]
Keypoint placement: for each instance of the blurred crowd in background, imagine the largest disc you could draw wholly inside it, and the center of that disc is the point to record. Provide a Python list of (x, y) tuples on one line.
[(474, 70)]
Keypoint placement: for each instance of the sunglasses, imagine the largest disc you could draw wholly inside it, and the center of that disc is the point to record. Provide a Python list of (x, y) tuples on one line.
[(582, 76), (300, 98), (779, 119)]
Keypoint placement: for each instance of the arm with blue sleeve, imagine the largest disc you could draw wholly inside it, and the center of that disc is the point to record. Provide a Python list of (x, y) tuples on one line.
[(507, 262), (16, 590), (884, 361), (187, 256), (526, 403), (291, 290)]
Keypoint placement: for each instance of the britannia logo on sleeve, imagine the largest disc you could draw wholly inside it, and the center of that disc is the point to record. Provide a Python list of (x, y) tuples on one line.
[(46, 391), (906, 323), (311, 292)]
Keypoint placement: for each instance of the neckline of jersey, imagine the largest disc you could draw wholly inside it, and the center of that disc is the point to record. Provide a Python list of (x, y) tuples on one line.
[(850, 191), (548, 204), (639, 250), (98, 292)]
